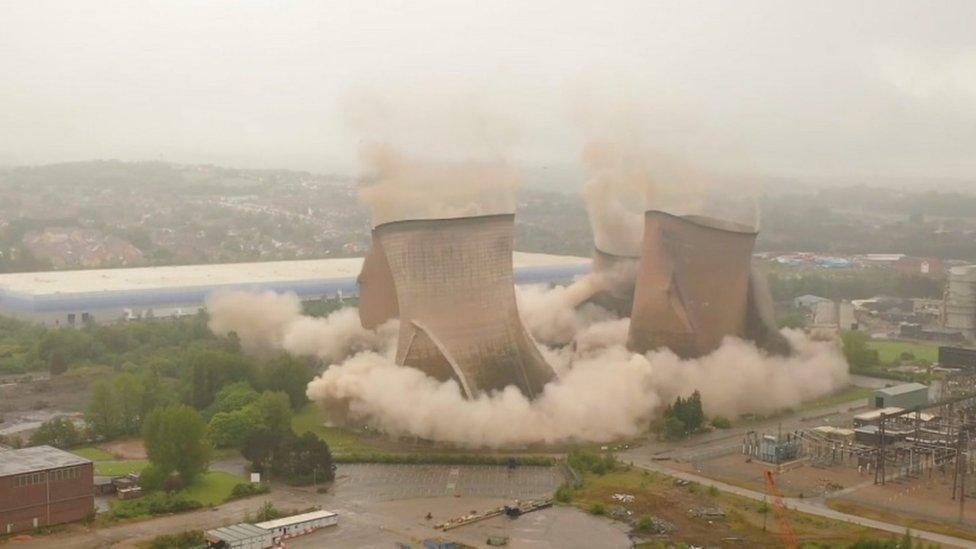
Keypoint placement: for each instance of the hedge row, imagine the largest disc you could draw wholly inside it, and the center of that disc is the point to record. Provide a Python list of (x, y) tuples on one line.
[(445, 459)]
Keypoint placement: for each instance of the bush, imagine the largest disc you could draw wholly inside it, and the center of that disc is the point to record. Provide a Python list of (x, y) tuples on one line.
[(713, 491), (247, 489), (720, 422), (268, 512), (583, 461), (598, 509), (183, 540), (156, 503), (564, 494), (645, 524)]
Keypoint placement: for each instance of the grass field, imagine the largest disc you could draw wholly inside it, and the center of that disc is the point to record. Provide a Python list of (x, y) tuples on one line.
[(340, 441), (849, 394), (852, 508), (212, 487), (890, 351), (92, 453), (117, 467)]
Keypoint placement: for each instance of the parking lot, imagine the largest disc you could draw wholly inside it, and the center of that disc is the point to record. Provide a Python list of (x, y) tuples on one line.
[(381, 482)]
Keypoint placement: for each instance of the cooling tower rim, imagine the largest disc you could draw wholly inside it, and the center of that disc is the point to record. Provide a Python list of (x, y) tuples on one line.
[(440, 220), (706, 222)]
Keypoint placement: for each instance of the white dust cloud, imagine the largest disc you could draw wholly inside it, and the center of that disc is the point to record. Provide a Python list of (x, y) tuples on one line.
[(436, 156), (268, 321), (410, 188), (603, 392), (649, 152)]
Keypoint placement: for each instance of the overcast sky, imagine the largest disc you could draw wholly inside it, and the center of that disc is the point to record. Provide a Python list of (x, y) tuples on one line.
[(821, 89)]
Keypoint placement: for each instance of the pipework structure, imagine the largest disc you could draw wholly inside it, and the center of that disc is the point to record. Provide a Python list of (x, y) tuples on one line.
[(454, 291), (696, 285)]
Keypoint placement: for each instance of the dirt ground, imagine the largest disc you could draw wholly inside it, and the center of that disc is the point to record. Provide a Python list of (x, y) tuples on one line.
[(927, 498), (67, 393), (132, 448), (805, 480), (743, 524)]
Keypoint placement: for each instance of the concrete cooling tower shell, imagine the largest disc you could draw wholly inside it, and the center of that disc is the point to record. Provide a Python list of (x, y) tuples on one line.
[(455, 295), (616, 275), (695, 286), (377, 292)]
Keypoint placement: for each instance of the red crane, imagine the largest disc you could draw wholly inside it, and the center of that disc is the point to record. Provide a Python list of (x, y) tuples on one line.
[(779, 509)]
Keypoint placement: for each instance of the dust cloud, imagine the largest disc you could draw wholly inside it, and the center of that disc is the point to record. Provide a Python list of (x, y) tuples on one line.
[(268, 321), (603, 391)]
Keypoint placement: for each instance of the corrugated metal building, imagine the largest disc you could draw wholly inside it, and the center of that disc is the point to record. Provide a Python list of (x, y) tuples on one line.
[(906, 396)]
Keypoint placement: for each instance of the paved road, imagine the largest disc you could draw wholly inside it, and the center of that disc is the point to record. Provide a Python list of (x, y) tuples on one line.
[(812, 508)]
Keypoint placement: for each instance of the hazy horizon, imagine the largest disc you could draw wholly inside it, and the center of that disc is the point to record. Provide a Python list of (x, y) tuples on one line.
[(818, 91)]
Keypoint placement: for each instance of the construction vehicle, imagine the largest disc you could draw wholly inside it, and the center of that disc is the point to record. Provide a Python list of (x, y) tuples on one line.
[(779, 509)]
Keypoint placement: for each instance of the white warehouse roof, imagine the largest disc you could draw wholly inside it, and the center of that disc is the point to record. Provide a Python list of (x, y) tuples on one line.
[(295, 519), (148, 278)]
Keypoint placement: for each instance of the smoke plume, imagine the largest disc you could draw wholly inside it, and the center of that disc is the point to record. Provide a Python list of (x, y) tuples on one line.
[(603, 392), (268, 321)]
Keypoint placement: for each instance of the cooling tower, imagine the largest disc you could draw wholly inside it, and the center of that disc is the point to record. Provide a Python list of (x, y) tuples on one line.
[(615, 276), (455, 295), (377, 293), (695, 286)]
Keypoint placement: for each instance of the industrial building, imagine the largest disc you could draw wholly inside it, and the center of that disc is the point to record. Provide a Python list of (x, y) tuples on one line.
[(696, 285), (455, 298), (69, 298), (960, 301), (906, 396), (957, 357), (43, 486), (270, 533)]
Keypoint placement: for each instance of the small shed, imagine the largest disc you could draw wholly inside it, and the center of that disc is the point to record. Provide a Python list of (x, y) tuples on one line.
[(906, 396), (239, 536), (104, 485)]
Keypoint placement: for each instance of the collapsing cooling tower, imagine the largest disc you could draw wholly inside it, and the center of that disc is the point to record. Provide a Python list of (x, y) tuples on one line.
[(695, 286), (614, 277), (377, 293), (455, 297)]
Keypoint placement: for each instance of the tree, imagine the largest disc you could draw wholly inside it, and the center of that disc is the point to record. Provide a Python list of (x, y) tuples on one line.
[(231, 397), (856, 350), (56, 364), (273, 411), (288, 374), (59, 432), (102, 411), (233, 429), (209, 370), (674, 428), (259, 448), (176, 442), (304, 459), (127, 392)]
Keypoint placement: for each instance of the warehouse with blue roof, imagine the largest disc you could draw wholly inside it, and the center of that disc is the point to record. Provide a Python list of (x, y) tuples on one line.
[(70, 298)]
